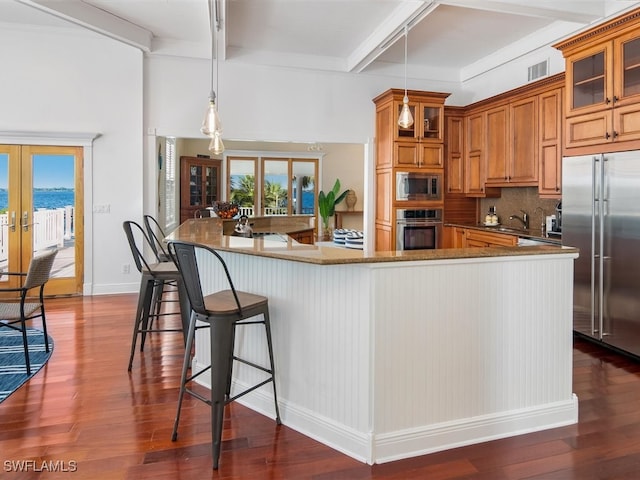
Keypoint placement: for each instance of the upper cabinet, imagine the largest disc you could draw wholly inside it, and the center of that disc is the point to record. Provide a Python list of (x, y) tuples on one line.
[(199, 185), (419, 146), (603, 84)]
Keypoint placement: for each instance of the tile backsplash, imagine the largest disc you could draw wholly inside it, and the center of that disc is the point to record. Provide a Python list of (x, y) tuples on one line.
[(519, 198)]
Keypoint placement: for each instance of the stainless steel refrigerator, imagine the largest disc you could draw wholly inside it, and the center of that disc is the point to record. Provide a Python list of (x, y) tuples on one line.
[(601, 216)]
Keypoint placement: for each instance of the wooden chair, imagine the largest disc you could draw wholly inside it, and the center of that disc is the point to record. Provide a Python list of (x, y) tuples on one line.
[(15, 314)]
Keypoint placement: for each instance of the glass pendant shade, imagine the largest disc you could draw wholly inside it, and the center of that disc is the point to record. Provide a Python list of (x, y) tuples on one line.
[(211, 122), (216, 146), (406, 119)]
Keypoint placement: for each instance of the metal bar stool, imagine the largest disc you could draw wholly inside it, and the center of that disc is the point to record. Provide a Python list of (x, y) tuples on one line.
[(223, 311), (155, 275)]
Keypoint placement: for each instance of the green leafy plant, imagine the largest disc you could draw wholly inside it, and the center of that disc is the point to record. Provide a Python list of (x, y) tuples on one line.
[(327, 202)]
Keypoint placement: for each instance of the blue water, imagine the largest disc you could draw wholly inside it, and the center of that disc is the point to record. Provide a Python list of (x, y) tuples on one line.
[(44, 198)]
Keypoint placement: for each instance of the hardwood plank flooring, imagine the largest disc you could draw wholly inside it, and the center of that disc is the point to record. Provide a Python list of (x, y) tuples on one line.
[(84, 412)]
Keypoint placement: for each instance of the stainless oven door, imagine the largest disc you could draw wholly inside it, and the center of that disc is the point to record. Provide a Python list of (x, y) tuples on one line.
[(418, 235)]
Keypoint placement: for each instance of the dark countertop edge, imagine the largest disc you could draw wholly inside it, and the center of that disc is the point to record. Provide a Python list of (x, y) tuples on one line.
[(524, 233)]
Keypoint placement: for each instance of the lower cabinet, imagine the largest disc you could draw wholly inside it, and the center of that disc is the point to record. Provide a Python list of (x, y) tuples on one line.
[(304, 236), (470, 238)]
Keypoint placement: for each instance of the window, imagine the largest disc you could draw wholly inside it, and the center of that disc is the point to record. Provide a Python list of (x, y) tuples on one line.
[(170, 183), (286, 186)]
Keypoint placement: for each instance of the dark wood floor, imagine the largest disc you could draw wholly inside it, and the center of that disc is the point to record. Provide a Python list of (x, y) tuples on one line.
[(84, 412)]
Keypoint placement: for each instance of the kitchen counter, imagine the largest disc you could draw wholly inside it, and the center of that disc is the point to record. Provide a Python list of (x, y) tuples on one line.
[(208, 231), (390, 355)]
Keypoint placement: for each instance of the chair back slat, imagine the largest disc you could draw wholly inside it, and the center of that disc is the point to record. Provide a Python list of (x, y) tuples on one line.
[(39, 269), (155, 233), (184, 255), (130, 227)]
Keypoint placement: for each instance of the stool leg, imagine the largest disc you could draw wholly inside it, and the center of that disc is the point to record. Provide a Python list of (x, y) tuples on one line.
[(183, 378), (221, 332), (267, 326), (144, 301)]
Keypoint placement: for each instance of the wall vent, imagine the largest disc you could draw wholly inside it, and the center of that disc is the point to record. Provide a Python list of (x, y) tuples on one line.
[(538, 70)]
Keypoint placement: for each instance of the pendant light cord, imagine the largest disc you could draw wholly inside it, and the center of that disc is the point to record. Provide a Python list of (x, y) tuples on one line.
[(212, 94), (406, 34)]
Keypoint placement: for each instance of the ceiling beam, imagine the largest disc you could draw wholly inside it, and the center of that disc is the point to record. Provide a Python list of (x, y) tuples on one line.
[(388, 32), (96, 20), (532, 9)]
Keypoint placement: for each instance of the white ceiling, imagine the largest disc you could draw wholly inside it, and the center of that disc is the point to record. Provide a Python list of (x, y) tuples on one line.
[(447, 40)]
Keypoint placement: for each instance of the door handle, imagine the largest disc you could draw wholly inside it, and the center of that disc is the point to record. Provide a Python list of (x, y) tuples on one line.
[(12, 226), (25, 218)]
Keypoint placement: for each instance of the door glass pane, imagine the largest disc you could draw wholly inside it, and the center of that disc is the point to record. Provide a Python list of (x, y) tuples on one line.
[(276, 187), (195, 186), (303, 188), (242, 182), (4, 207), (53, 219), (588, 81), (211, 184), (631, 67)]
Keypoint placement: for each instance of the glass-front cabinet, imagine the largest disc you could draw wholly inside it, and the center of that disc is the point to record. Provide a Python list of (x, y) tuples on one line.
[(603, 83), (199, 186)]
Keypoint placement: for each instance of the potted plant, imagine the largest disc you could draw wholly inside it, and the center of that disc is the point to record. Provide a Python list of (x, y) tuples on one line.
[(327, 206)]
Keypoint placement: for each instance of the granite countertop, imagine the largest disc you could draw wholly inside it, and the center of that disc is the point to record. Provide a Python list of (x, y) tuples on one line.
[(208, 231)]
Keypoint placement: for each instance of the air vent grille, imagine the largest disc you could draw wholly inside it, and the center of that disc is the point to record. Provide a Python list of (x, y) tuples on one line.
[(538, 70)]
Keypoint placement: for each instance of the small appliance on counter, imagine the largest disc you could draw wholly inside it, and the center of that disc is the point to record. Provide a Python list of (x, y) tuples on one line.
[(491, 219)]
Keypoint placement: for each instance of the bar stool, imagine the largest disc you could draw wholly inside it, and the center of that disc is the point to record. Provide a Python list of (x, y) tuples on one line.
[(155, 275), (223, 311)]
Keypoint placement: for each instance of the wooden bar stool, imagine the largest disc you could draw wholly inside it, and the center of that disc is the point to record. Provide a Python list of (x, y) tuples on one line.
[(223, 311), (155, 276)]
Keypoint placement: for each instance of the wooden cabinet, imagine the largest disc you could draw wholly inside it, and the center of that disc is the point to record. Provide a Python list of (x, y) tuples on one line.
[(550, 143), (511, 144), (474, 168), (603, 84), (473, 238), (496, 148), (199, 185), (454, 153), (419, 147), (304, 236)]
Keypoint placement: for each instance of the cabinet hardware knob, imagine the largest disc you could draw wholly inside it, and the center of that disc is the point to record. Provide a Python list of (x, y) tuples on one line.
[(615, 134), (606, 135), (615, 99), (607, 101)]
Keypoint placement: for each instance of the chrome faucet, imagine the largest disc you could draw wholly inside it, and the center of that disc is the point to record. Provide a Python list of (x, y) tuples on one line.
[(524, 219)]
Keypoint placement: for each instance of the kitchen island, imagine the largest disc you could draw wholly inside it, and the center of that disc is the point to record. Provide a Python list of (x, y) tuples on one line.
[(388, 355)]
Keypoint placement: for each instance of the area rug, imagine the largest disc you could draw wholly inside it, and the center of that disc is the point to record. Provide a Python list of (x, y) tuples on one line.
[(13, 371)]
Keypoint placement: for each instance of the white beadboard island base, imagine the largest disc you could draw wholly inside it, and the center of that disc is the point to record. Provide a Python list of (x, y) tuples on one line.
[(389, 360)]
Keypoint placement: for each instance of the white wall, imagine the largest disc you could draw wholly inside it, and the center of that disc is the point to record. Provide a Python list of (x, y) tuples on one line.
[(61, 82)]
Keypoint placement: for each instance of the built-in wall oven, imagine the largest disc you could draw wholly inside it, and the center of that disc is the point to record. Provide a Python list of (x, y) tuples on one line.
[(418, 229)]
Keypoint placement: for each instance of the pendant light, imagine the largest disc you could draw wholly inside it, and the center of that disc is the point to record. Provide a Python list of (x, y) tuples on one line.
[(211, 125), (406, 119)]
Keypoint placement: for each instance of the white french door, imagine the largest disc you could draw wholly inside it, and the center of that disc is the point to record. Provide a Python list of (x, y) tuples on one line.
[(41, 209)]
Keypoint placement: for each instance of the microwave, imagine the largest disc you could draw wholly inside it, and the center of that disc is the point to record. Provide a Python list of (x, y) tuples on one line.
[(416, 186)]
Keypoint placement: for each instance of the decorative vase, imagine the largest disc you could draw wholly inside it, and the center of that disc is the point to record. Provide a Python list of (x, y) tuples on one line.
[(350, 200)]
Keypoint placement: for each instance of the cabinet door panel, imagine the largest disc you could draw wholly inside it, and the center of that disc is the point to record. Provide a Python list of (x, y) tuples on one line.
[(384, 193), (405, 154), (627, 122), (497, 145), (431, 155), (592, 129), (523, 128), (454, 149), (590, 80)]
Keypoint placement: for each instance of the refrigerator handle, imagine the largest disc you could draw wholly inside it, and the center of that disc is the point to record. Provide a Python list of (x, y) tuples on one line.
[(595, 164), (601, 212)]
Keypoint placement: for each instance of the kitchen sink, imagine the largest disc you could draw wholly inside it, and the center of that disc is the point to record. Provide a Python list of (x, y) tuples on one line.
[(523, 242)]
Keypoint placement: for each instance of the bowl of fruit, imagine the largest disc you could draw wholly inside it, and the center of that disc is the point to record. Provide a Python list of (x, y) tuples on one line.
[(225, 209)]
